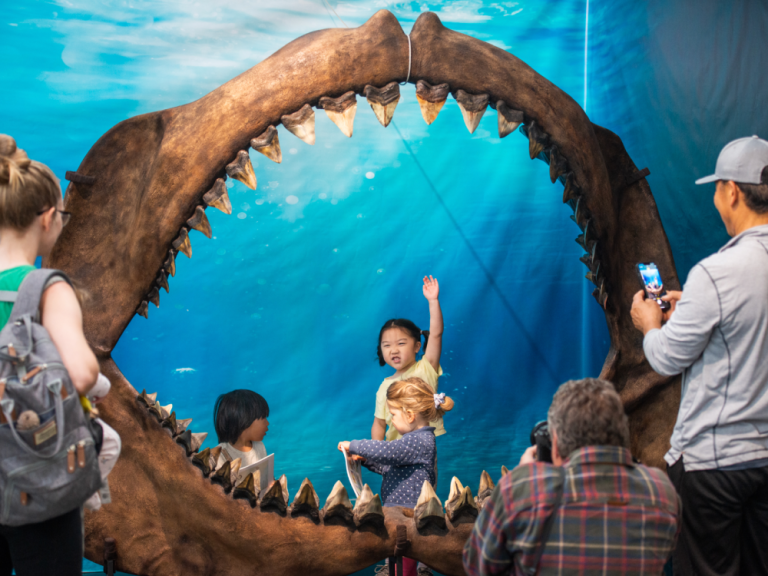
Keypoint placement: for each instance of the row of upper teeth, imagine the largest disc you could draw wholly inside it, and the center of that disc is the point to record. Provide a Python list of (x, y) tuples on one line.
[(383, 101), (460, 506)]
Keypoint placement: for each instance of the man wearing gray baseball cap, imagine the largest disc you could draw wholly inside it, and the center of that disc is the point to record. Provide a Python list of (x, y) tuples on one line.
[(716, 335)]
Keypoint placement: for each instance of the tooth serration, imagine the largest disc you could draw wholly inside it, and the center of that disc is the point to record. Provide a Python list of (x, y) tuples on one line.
[(338, 505), (218, 197), (147, 399), (472, 108), (341, 111), (268, 144), (368, 508), (306, 501), (383, 101), (485, 489), (538, 140), (143, 309), (509, 119), (182, 243), (162, 280), (241, 169), (154, 297), (170, 263), (199, 222), (301, 124), (460, 503), (557, 164), (431, 99), (249, 488), (428, 508)]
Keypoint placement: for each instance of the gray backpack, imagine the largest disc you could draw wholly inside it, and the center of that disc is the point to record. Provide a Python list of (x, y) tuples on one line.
[(50, 466)]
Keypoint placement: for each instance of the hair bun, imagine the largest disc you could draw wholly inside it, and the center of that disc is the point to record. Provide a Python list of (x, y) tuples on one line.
[(13, 160)]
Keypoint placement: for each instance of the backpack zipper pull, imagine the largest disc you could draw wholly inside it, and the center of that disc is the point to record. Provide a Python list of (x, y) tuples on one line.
[(71, 459), (81, 453)]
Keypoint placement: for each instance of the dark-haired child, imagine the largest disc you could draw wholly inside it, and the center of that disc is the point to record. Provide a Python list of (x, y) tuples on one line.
[(399, 343), (240, 420)]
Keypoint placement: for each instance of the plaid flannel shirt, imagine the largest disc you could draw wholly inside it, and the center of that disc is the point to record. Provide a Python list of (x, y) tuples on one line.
[(615, 517)]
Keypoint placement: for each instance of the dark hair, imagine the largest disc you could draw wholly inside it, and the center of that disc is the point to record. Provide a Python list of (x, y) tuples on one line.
[(406, 325), (235, 411), (587, 412), (756, 195)]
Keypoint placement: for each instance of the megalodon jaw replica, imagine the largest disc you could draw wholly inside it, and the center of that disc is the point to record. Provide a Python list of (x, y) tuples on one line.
[(146, 184)]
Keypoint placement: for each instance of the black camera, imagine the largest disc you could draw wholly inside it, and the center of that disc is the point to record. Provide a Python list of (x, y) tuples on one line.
[(543, 441)]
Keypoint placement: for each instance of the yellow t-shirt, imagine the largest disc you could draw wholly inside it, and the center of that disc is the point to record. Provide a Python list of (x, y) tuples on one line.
[(421, 369)]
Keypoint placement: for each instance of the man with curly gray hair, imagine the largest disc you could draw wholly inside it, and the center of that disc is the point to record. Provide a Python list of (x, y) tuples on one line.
[(593, 509)]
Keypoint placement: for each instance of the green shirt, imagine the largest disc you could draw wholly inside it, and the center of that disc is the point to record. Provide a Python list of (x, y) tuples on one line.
[(11, 280)]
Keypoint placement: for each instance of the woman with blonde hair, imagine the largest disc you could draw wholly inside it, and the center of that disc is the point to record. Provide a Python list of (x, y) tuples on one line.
[(31, 218), (407, 462)]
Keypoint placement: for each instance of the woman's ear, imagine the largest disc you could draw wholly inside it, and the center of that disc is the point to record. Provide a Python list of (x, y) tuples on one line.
[(47, 218)]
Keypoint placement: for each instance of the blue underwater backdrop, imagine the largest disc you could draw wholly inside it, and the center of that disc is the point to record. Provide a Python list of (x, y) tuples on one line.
[(288, 297)]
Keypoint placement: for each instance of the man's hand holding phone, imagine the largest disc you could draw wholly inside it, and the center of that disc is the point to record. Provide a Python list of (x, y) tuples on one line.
[(647, 315)]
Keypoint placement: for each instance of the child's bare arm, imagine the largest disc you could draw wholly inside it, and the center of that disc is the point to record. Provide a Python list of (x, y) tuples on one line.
[(435, 343), (378, 429)]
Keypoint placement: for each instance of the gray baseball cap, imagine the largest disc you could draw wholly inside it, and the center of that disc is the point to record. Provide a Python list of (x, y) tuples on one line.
[(741, 160)]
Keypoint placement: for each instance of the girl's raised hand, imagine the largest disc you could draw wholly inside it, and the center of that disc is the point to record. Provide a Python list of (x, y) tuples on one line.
[(343, 446), (431, 288)]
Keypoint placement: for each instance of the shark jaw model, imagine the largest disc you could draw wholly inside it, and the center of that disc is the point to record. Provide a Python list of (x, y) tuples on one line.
[(149, 180)]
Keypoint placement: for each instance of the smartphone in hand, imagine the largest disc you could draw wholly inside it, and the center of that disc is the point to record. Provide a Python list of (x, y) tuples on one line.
[(654, 287)]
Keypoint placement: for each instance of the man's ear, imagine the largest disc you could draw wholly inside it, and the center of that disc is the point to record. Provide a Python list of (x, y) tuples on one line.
[(735, 194)]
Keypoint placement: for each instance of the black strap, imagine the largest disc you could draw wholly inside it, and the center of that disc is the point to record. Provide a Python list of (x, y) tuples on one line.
[(548, 523)]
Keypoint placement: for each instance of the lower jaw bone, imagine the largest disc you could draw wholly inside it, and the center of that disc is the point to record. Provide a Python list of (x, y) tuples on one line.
[(341, 111), (301, 124), (431, 99)]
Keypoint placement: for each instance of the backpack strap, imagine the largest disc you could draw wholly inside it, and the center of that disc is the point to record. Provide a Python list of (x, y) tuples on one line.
[(8, 295), (31, 291)]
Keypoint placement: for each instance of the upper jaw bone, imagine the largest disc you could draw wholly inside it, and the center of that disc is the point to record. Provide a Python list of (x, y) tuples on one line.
[(383, 101), (301, 124), (509, 119), (242, 169), (472, 108), (341, 111), (268, 144), (431, 99)]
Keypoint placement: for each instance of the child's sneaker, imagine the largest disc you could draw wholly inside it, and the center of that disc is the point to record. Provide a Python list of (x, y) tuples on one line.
[(424, 570), (382, 569)]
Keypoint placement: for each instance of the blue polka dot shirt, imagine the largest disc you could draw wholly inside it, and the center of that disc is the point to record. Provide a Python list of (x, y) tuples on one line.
[(404, 464)]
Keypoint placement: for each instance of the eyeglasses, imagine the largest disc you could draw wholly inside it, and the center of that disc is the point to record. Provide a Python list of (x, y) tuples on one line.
[(65, 216)]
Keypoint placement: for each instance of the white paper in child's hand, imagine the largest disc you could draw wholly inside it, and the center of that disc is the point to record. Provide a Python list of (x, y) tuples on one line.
[(354, 473)]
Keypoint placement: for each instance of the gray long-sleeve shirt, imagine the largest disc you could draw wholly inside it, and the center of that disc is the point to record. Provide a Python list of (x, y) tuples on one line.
[(718, 338)]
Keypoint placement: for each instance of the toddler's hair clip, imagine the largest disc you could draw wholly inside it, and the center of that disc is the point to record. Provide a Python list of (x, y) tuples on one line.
[(439, 399)]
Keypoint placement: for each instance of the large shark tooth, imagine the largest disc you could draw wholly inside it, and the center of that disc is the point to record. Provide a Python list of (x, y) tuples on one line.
[(585, 240), (203, 460), (268, 144), (170, 424), (460, 504), (190, 441), (182, 243), (218, 197), (183, 424), (301, 124), (509, 119), (472, 108), (571, 191), (146, 399), (157, 411), (224, 475), (485, 489), (504, 471), (383, 101), (199, 222), (580, 214), (248, 489), (431, 99), (154, 297), (241, 169), (273, 498), (306, 501), (338, 505), (558, 165), (341, 111), (162, 280), (428, 508), (538, 140), (143, 309), (170, 263), (368, 508)]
